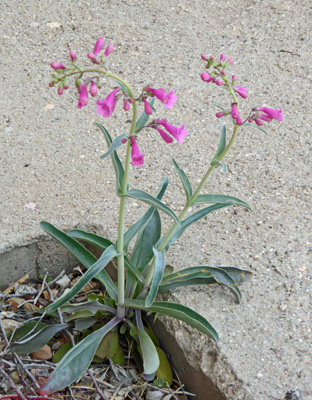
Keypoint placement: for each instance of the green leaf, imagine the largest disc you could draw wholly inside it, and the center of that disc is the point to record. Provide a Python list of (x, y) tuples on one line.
[(222, 143), (220, 199), (142, 121), (25, 329), (85, 323), (164, 370), (159, 267), (151, 200), (217, 105), (82, 254), (239, 275), (77, 360), (185, 182), (142, 222), (35, 341), (105, 258), (61, 352), (134, 270), (216, 163), (143, 249), (110, 348), (90, 306), (97, 241), (123, 87), (255, 126), (177, 311), (191, 220), (118, 167), (118, 141)]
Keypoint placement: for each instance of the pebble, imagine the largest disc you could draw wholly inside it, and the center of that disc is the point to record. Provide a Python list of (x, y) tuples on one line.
[(24, 290), (9, 325), (44, 353)]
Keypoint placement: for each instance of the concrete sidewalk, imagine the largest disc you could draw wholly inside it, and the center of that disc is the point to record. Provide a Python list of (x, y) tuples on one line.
[(51, 168)]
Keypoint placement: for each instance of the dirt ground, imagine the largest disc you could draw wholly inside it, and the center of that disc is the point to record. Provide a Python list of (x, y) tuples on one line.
[(51, 170)]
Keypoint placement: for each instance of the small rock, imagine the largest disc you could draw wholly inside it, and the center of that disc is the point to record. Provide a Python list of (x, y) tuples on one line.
[(30, 307), (154, 395), (63, 282), (23, 290), (9, 325), (14, 303), (44, 353), (46, 294), (16, 378)]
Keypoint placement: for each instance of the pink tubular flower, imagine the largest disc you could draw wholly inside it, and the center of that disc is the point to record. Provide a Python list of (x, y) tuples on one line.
[(147, 107), (265, 117), (219, 82), (166, 137), (220, 114), (107, 106), (98, 46), (243, 92), (136, 156), (72, 55), (222, 57), (274, 114), (239, 121), (167, 98), (206, 77), (93, 89), (234, 111), (126, 105), (179, 133), (83, 95), (109, 49), (57, 65)]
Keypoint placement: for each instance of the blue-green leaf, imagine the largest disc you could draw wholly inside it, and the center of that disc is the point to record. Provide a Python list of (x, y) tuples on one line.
[(142, 222), (142, 121), (220, 199), (218, 105), (97, 241), (118, 141), (123, 87), (216, 163), (82, 254), (185, 182), (177, 311), (134, 270), (34, 341), (76, 360), (222, 143), (101, 263), (159, 267), (151, 200), (118, 167)]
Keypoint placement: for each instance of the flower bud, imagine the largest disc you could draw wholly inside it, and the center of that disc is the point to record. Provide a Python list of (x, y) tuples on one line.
[(98, 46), (211, 58), (258, 122), (204, 57), (72, 55), (242, 91), (206, 77), (60, 91), (219, 82), (239, 121), (222, 57), (93, 89), (91, 56), (130, 100), (56, 65), (234, 77), (220, 114), (109, 49), (223, 72), (230, 60), (126, 105)]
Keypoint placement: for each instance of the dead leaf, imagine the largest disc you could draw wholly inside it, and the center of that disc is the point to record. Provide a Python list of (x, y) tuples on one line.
[(20, 281), (53, 25), (30, 206), (49, 107)]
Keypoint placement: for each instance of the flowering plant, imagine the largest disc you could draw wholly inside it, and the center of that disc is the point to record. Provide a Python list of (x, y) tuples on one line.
[(143, 273)]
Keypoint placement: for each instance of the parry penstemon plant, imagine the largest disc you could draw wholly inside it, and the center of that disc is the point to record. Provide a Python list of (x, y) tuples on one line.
[(143, 273)]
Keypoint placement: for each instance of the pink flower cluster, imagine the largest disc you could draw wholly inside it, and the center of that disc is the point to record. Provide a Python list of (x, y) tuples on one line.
[(97, 48)]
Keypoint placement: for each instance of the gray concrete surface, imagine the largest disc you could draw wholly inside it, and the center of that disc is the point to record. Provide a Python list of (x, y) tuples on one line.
[(51, 170)]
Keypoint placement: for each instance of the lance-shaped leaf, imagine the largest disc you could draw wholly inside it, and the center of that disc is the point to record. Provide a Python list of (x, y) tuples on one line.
[(118, 141), (152, 201), (222, 143), (148, 350), (134, 270), (123, 87), (200, 275), (142, 222), (82, 254), (143, 249), (118, 167), (35, 341), (185, 182), (77, 360), (177, 311), (159, 267), (191, 220), (216, 163), (142, 121), (97, 241), (101, 263), (239, 275), (91, 306), (220, 199)]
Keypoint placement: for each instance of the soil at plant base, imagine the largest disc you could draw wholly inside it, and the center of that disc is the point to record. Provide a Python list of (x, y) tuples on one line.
[(51, 168)]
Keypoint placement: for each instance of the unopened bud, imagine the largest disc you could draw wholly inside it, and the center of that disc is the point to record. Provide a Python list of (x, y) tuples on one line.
[(72, 55), (230, 60), (234, 77), (222, 57), (219, 82), (220, 114), (109, 50), (204, 57), (126, 105), (56, 65)]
